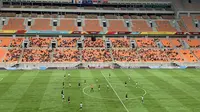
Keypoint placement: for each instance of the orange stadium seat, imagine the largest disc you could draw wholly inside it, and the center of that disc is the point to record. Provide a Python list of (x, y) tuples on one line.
[(145, 42), (120, 42), (2, 53), (13, 55), (189, 23), (164, 25), (187, 54), (117, 25), (193, 43), (176, 42), (92, 25), (174, 55), (5, 42), (96, 55), (197, 53), (67, 42), (98, 43), (182, 27), (41, 24), (125, 55), (36, 55), (66, 55), (16, 42), (14, 24), (166, 43), (141, 26), (152, 55), (67, 25), (40, 42)]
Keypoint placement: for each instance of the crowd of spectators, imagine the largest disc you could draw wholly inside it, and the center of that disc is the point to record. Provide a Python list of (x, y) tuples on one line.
[(66, 55), (120, 42), (13, 55), (16, 42), (36, 55), (146, 42), (97, 43), (96, 55), (40, 42), (152, 55), (67, 42), (125, 55)]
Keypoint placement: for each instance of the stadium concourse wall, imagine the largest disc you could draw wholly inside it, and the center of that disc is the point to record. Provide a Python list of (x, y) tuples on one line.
[(97, 65), (37, 32)]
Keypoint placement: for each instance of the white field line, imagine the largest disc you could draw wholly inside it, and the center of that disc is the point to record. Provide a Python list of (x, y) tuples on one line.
[(116, 93)]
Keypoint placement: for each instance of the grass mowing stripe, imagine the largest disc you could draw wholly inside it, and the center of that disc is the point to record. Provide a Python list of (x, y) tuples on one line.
[(51, 100), (181, 85), (30, 101), (115, 93), (12, 97), (122, 77), (8, 81), (161, 96), (185, 79), (169, 88), (150, 99)]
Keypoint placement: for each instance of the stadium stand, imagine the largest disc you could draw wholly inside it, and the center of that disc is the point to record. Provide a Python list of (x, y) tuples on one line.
[(193, 43), (89, 25), (146, 42), (164, 25), (2, 54), (15, 24), (140, 26), (125, 55), (41, 24), (39, 42), (5, 41), (97, 43), (96, 55), (120, 42), (117, 25), (66, 55), (188, 21), (16, 42), (67, 42), (67, 25), (13, 55)]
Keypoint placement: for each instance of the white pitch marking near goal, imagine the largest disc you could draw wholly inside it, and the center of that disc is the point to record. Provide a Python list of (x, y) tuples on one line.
[(115, 93)]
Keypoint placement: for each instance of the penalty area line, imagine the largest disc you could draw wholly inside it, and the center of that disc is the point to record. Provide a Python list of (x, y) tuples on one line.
[(115, 93)]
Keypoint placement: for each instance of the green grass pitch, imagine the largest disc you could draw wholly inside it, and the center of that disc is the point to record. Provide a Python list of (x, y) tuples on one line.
[(40, 91)]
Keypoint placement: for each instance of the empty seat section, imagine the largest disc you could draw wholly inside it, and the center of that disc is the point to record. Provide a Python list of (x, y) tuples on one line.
[(2, 54), (182, 27), (188, 56), (67, 42), (166, 43), (164, 25), (152, 55), (13, 55), (146, 42), (16, 42), (14, 24), (40, 42), (174, 55), (5, 42), (197, 53), (117, 25), (120, 42), (125, 55), (41, 24), (67, 25), (96, 55), (189, 23), (176, 42), (193, 43), (92, 25), (66, 55), (141, 26), (36, 55), (98, 43)]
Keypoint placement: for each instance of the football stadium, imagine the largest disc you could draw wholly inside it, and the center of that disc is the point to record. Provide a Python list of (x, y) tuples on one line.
[(99, 55)]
